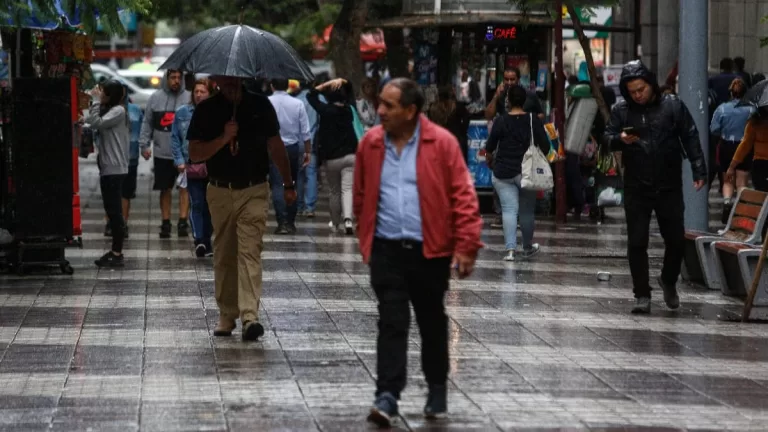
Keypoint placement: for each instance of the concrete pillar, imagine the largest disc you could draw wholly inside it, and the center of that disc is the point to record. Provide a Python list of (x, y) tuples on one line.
[(693, 91)]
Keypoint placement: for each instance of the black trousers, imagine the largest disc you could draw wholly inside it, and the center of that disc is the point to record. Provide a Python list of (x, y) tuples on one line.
[(669, 208), (112, 196), (760, 174), (400, 274)]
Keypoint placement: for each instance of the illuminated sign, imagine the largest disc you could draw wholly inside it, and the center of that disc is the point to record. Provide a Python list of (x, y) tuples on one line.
[(500, 33)]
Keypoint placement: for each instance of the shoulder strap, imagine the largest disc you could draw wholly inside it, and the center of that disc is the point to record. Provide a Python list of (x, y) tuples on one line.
[(530, 119)]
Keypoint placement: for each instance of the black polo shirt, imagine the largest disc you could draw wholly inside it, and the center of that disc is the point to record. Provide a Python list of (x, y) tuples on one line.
[(257, 121), (532, 103)]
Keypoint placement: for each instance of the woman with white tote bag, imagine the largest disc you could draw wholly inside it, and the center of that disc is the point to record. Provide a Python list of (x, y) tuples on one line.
[(517, 145)]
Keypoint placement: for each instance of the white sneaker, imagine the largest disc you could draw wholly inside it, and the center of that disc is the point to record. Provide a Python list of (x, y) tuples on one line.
[(531, 252), (510, 256)]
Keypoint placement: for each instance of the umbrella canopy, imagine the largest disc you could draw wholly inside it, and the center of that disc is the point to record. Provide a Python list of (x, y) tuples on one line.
[(239, 51), (757, 95)]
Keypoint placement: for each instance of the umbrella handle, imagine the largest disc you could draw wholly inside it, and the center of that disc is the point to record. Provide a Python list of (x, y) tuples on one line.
[(234, 146)]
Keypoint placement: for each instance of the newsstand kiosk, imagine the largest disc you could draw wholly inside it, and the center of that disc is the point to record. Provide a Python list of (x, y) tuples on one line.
[(39, 196)]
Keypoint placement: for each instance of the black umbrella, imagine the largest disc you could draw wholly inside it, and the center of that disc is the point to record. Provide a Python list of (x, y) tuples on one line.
[(757, 95), (239, 51)]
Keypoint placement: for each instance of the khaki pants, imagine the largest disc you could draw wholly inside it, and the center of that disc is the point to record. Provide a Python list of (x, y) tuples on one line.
[(239, 220), (341, 173)]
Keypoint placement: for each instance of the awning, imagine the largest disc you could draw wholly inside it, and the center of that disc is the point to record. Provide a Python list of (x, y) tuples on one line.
[(32, 20), (474, 18), (372, 45)]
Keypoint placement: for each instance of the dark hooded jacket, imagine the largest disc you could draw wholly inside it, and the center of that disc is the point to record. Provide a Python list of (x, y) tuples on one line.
[(667, 135)]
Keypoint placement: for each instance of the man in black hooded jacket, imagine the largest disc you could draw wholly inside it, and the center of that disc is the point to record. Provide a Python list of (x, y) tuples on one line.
[(655, 133)]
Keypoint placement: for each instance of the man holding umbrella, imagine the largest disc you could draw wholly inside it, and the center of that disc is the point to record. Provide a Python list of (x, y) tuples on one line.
[(236, 132), (238, 194)]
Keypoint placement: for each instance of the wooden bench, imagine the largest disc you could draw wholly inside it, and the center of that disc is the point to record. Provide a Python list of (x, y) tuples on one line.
[(749, 212), (737, 264)]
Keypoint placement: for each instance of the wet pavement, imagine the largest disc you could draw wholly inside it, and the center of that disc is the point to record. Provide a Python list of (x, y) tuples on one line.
[(534, 346)]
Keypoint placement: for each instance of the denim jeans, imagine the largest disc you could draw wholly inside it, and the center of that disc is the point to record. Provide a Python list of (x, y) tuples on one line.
[(285, 214), (516, 201), (199, 216), (306, 186)]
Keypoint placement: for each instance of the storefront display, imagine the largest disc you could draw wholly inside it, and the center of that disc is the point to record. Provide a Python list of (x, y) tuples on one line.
[(41, 204)]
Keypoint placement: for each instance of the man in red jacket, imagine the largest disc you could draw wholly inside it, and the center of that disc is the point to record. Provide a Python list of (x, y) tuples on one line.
[(418, 217)]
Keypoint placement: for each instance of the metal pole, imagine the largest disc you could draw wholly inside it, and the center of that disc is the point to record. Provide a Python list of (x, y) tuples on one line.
[(693, 63), (559, 96)]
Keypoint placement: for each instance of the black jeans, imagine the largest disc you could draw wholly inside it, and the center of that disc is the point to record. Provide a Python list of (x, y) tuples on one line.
[(669, 208), (112, 195), (760, 174), (400, 274)]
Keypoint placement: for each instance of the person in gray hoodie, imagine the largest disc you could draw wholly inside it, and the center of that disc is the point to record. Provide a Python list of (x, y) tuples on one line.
[(158, 120), (109, 118)]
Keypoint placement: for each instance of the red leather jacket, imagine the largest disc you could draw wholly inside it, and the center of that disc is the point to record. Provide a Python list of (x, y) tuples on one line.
[(450, 211)]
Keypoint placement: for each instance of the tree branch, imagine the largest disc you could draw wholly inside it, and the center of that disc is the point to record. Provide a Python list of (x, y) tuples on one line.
[(595, 86)]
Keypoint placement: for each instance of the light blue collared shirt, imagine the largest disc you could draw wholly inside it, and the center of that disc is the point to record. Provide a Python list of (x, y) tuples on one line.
[(399, 213), (314, 124), (292, 116), (729, 121)]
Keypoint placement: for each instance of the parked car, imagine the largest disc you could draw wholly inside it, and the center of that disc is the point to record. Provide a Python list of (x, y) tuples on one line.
[(138, 95), (145, 79)]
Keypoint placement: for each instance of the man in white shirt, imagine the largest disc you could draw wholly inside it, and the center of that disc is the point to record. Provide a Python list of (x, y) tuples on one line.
[(294, 130)]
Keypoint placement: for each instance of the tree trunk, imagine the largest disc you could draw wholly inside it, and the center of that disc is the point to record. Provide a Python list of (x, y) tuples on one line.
[(579, 30), (397, 52), (345, 41)]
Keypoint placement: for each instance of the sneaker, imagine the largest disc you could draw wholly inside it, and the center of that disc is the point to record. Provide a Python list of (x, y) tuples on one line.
[(309, 215), (200, 250), (252, 331), (165, 230), (107, 230), (183, 228), (510, 256), (530, 252), (437, 403), (282, 229), (642, 306), (208, 249), (110, 260), (291, 228), (125, 232), (384, 408), (670, 294), (349, 229)]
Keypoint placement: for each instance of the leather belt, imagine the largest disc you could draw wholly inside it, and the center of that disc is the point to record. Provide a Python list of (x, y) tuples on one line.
[(234, 185)]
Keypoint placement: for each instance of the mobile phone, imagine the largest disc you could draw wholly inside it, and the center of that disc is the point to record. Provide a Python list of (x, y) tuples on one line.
[(629, 130)]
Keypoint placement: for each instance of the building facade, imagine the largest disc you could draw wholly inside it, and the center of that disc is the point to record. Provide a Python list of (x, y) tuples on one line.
[(735, 30)]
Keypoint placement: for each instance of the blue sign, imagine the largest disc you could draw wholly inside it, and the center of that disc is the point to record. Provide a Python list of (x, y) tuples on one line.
[(478, 167)]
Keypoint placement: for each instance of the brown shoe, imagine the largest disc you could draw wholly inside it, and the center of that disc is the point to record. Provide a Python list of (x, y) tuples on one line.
[(224, 327)]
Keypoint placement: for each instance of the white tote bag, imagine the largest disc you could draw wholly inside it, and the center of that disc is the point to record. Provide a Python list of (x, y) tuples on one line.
[(536, 174)]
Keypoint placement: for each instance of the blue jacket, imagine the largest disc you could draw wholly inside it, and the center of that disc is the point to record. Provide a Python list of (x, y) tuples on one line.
[(179, 143), (135, 117)]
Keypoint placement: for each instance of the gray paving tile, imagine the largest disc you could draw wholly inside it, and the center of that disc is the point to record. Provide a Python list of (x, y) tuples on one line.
[(541, 345)]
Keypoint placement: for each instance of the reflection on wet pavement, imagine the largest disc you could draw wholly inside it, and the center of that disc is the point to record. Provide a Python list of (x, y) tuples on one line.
[(534, 346)]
